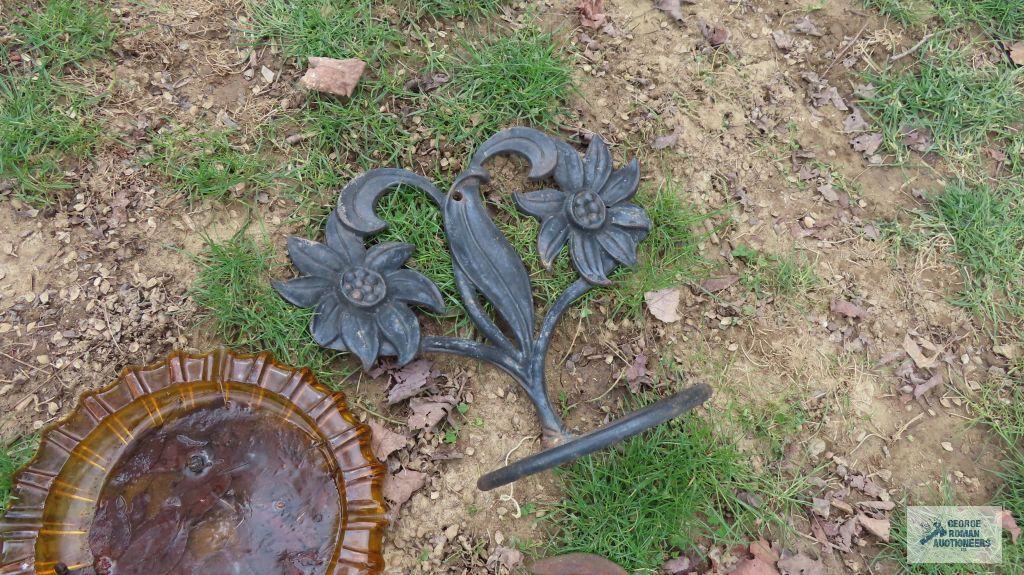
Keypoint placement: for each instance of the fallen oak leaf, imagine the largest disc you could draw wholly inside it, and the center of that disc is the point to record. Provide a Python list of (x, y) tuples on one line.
[(800, 564), (427, 412), (399, 487), (720, 283), (714, 34), (505, 557), (848, 309), (576, 564), (636, 373), (910, 346), (754, 566), (855, 121), (934, 380), (867, 143), (1017, 53), (763, 551), (333, 76), (664, 304), (806, 26), (383, 441), (662, 142), (409, 380), (592, 13), (877, 527)]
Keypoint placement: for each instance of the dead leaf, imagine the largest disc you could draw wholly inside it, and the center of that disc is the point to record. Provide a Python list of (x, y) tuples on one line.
[(636, 373), (673, 8), (1010, 524), (754, 566), (662, 142), (591, 13), (877, 527), (505, 557), (918, 139), (681, 564), (576, 564), (910, 346), (1010, 351), (782, 40), (333, 76), (409, 380), (801, 564), (399, 487), (427, 82), (714, 34), (855, 122), (718, 284), (806, 26), (1017, 53), (828, 192), (427, 412), (384, 442), (867, 143), (763, 551), (664, 304), (821, 507), (848, 309), (934, 380)]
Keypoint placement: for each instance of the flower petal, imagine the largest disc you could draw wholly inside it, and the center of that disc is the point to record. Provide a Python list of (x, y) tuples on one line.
[(622, 184), (303, 291), (597, 164), (588, 257), (388, 256), (629, 216), (619, 244), (313, 258), (348, 245), (399, 326), (326, 324), (542, 203), (569, 169), (413, 287), (552, 236), (361, 336)]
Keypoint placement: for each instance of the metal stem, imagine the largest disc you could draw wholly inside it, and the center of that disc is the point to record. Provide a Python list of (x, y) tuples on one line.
[(630, 425)]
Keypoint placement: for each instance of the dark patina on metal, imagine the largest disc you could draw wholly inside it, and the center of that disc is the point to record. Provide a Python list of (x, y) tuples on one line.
[(362, 295)]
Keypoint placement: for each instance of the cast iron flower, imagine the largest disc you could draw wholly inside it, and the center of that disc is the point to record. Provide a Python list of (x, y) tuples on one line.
[(592, 212), (361, 296)]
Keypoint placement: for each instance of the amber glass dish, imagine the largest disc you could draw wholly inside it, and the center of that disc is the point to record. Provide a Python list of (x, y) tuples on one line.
[(216, 463)]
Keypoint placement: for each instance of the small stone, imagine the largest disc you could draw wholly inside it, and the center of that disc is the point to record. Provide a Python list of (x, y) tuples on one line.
[(43, 359), (947, 446), (815, 447), (267, 73)]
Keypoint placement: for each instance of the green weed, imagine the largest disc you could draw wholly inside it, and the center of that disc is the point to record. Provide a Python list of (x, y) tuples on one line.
[(43, 123), (64, 32), (767, 274), (986, 226), (963, 102), (449, 9), (662, 491), (12, 457), (209, 165), (232, 288)]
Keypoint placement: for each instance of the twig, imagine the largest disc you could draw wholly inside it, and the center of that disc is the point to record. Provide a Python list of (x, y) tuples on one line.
[(844, 50), (896, 436), (912, 49)]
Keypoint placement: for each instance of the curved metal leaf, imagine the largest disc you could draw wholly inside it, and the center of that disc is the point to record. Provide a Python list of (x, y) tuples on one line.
[(536, 146), (358, 199), (488, 260)]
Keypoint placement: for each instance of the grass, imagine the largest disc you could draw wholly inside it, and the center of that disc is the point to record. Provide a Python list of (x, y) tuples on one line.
[(13, 456), (779, 276), (449, 9), (64, 32), (209, 165), (234, 293), (966, 102), (1001, 18), (662, 492), (985, 225), (43, 124)]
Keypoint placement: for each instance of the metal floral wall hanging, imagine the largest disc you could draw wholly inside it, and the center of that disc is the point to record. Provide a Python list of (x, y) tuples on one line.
[(215, 463), (362, 295)]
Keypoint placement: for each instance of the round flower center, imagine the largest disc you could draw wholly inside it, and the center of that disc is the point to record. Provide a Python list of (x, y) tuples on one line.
[(587, 210), (363, 287)]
